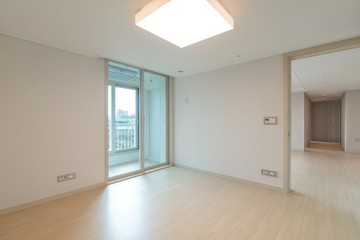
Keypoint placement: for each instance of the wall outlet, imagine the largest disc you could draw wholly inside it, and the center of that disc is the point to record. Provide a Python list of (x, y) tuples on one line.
[(270, 120), (66, 177), (268, 173), (357, 139)]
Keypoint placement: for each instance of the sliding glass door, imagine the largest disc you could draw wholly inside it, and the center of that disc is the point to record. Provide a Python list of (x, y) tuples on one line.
[(123, 120), (155, 106), (137, 120)]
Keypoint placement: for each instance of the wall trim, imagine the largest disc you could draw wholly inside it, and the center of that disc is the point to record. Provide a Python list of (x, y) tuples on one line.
[(228, 177), (325, 48), (300, 54), (49, 199), (287, 123)]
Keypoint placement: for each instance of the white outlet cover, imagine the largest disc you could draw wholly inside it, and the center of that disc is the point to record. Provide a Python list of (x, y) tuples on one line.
[(270, 120)]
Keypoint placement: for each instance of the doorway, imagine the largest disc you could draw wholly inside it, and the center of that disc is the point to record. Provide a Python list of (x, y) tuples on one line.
[(297, 55)]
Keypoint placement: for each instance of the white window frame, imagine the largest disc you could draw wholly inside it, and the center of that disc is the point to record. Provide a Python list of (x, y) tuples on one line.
[(112, 139)]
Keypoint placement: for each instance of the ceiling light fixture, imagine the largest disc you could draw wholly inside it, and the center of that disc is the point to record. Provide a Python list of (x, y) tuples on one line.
[(184, 22)]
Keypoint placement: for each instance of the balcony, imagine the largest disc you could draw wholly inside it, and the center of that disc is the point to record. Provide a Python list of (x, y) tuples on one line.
[(125, 136), (125, 158)]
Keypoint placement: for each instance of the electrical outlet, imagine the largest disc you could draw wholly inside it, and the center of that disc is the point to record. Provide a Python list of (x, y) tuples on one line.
[(268, 173), (66, 177), (270, 120)]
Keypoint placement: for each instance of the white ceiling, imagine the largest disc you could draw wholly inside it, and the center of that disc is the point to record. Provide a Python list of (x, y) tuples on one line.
[(329, 74), (106, 28)]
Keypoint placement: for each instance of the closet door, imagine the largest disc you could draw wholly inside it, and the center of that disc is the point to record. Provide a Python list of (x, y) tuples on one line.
[(319, 121), (325, 121)]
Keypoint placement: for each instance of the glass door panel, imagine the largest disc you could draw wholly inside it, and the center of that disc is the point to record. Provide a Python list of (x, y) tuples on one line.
[(123, 113), (135, 94), (126, 129), (155, 124)]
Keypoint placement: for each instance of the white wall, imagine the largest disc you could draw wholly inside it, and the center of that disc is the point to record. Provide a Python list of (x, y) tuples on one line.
[(52, 121), (297, 121), (221, 128), (307, 121), (352, 121)]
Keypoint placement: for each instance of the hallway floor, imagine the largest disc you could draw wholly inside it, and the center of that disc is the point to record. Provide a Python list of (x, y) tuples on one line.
[(325, 146)]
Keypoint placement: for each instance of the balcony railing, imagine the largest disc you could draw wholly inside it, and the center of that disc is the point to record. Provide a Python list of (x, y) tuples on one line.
[(125, 135)]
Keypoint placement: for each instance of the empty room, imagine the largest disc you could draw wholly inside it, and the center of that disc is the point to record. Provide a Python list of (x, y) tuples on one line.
[(179, 119)]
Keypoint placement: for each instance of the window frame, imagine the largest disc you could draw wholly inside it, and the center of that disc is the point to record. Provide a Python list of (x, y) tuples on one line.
[(112, 139)]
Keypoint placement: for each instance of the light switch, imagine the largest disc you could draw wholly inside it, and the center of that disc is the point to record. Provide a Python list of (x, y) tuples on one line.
[(270, 120)]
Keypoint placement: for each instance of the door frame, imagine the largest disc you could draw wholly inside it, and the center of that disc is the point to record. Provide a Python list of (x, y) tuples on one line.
[(113, 97), (287, 58)]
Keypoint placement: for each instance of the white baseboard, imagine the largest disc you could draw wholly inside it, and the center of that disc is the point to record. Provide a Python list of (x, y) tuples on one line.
[(229, 177)]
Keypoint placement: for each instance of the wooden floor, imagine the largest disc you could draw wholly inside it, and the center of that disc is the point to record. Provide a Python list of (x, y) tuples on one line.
[(176, 203), (325, 146)]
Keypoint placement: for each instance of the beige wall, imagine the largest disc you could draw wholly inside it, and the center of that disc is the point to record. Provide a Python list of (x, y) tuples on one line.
[(307, 122), (297, 121), (352, 121), (221, 129), (52, 121)]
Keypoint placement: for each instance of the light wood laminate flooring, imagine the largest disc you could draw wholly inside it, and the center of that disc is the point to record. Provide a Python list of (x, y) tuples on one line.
[(175, 203), (325, 146)]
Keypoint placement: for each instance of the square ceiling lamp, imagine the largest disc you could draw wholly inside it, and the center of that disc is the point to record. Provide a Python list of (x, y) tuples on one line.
[(184, 22)]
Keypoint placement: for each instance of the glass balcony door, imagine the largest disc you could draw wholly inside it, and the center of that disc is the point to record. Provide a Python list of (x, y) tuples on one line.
[(137, 120), (123, 116), (126, 119), (155, 122)]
